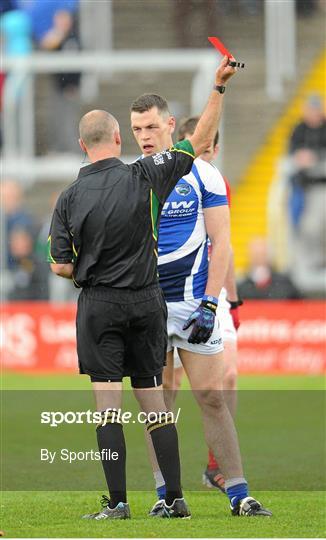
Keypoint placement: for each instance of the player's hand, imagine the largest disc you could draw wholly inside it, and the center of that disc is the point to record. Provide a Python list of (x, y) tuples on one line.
[(203, 320), (234, 312), (224, 72)]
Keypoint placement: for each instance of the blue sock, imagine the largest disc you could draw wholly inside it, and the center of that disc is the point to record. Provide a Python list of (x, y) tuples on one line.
[(237, 492), (161, 492)]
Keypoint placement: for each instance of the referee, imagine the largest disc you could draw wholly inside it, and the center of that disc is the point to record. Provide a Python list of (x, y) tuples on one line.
[(103, 236)]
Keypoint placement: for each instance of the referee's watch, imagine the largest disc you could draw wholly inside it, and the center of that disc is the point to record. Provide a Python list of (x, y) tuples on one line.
[(220, 89)]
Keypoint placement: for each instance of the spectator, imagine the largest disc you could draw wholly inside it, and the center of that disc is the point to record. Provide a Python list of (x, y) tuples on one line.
[(55, 29), (42, 14), (262, 282), (306, 8), (29, 276), (307, 199), (15, 216), (16, 33), (16, 40), (6, 5)]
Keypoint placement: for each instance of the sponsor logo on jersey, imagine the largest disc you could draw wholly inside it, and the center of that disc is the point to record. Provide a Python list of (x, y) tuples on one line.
[(159, 158), (178, 208), (216, 341), (183, 189), (175, 205)]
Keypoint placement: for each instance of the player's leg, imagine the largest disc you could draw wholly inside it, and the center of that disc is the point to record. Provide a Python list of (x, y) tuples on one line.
[(169, 380), (229, 337), (172, 378), (212, 476), (205, 374), (230, 376), (219, 429), (178, 374)]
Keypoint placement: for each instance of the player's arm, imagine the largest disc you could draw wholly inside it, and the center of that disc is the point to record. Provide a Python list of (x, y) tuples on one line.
[(217, 223), (164, 170), (60, 248), (232, 293), (208, 123), (230, 282)]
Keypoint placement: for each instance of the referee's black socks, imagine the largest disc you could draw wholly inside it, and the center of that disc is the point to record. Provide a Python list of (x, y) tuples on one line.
[(165, 441), (110, 439)]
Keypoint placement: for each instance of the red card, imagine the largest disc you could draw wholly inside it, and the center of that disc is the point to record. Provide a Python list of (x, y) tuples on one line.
[(219, 46)]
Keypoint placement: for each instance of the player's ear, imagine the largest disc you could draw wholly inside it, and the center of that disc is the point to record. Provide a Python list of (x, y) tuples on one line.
[(82, 145), (171, 123), (216, 151)]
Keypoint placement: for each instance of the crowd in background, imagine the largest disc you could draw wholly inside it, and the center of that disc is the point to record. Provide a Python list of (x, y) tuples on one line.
[(28, 25), (307, 198), (50, 25), (27, 275)]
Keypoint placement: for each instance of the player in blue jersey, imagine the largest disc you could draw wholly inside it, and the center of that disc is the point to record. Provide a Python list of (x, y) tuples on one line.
[(228, 316), (195, 210)]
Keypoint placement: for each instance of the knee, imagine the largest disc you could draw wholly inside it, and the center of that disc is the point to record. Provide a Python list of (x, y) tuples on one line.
[(211, 399), (230, 379)]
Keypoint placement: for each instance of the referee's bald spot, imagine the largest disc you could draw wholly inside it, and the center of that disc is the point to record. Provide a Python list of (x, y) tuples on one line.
[(97, 127)]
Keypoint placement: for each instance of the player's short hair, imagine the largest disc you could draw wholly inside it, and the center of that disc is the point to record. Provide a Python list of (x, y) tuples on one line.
[(146, 102), (188, 126)]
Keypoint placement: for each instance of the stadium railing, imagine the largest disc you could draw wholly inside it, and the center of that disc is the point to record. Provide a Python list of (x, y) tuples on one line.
[(18, 123)]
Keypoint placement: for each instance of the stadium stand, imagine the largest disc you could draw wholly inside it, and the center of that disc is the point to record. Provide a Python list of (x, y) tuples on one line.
[(249, 112)]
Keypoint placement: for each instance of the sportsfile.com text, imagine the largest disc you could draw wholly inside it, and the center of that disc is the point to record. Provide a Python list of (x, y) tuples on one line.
[(56, 418)]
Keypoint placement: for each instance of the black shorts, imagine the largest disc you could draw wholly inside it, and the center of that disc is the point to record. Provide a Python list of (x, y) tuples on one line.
[(121, 332)]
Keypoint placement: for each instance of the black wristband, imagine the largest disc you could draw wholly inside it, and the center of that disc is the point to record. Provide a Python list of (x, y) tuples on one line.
[(209, 305), (220, 89), (235, 304)]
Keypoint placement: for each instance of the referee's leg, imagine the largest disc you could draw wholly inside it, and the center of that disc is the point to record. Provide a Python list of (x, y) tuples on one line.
[(163, 433), (110, 436)]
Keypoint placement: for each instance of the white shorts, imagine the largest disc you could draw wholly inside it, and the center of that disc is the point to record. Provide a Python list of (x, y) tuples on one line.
[(178, 313), (228, 331), (225, 328)]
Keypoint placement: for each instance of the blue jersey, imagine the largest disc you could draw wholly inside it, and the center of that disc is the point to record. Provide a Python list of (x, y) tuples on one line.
[(182, 244)]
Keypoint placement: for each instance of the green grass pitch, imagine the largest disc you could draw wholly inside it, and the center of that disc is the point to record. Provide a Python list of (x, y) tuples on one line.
[(53, 514), (32, 514)]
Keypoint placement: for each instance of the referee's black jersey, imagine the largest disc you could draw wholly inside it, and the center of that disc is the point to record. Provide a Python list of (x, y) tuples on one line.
[(106, 222)]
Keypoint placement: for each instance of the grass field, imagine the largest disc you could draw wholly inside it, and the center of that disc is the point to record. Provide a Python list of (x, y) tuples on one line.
[(52, 514), (18, 381), (286, 460)]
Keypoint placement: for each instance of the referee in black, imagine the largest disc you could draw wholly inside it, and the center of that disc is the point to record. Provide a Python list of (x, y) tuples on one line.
[(103, 236)]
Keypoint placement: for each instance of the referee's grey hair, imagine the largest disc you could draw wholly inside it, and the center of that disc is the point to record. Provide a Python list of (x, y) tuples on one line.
[(97, 127), (146, 102)]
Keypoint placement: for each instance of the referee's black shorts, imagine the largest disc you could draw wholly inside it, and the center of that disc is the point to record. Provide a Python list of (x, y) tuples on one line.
[(121, 332)]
